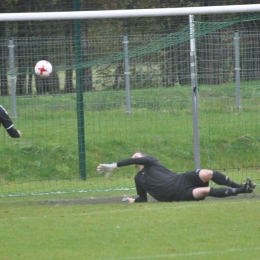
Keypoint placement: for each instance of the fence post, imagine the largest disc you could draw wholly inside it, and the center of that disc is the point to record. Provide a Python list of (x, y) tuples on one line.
[(237, 69), (127, 81), (79, 91), (194, 91), (12, 77)]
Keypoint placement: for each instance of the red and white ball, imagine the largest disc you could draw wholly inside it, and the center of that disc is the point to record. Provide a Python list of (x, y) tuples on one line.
[(43, 68)]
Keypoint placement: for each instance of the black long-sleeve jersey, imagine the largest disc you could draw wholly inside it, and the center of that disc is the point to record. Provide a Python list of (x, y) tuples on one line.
[(154, 178), (7, 123)]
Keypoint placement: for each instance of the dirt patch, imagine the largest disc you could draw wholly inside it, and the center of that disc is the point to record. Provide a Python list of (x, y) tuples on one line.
[(114, 200)]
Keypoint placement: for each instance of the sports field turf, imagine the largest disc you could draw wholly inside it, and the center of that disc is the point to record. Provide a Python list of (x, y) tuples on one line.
[(92, 227)]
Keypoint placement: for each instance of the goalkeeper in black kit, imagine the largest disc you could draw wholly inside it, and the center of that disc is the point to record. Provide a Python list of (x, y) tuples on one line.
[(8, 124), (164, 185)]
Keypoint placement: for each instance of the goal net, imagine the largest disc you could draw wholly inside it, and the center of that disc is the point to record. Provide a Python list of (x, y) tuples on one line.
[(123, 85)]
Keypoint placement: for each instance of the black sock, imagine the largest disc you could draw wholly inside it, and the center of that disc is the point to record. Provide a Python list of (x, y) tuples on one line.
[(225, 192), (222, 179), (233, 184)]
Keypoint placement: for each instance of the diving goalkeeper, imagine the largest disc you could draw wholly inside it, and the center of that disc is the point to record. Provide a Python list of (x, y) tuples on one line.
[(164, 185)]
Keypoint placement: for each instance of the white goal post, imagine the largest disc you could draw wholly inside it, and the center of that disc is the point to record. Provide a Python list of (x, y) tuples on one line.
[(129, 13)]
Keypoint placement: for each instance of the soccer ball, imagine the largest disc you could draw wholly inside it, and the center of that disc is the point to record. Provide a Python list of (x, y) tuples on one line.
[(43, 68)]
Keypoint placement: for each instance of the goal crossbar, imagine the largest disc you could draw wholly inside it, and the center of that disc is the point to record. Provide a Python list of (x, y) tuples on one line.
[(129, 13)]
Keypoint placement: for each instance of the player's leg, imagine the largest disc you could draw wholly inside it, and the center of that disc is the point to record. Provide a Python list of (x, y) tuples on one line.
[(218, 177), (201, 193)]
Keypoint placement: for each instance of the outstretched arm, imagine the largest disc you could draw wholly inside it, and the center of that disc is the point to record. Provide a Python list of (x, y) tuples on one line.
[(8, 124), (131, 161), (13, 132), (108, 168)]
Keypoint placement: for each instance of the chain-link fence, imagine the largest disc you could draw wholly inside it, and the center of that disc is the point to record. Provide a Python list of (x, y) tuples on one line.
[(146, 105)]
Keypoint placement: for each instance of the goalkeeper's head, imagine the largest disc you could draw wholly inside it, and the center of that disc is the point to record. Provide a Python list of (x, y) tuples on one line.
[(138, 155)]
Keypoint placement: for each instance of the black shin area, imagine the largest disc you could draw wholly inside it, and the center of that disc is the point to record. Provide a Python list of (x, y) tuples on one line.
[(221, 192), (222, 179), (233, 184), (225, 192)]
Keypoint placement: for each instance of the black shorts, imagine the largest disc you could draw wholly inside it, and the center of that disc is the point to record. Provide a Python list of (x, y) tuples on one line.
[(188, 182)]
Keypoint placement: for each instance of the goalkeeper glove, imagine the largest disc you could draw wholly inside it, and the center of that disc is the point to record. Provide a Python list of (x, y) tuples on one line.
[(107, 168), (128, 200)]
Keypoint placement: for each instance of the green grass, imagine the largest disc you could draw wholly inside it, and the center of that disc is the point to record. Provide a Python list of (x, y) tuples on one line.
[(212, 229)]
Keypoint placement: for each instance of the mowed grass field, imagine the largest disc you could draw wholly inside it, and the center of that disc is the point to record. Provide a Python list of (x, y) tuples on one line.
[(62, 227)]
